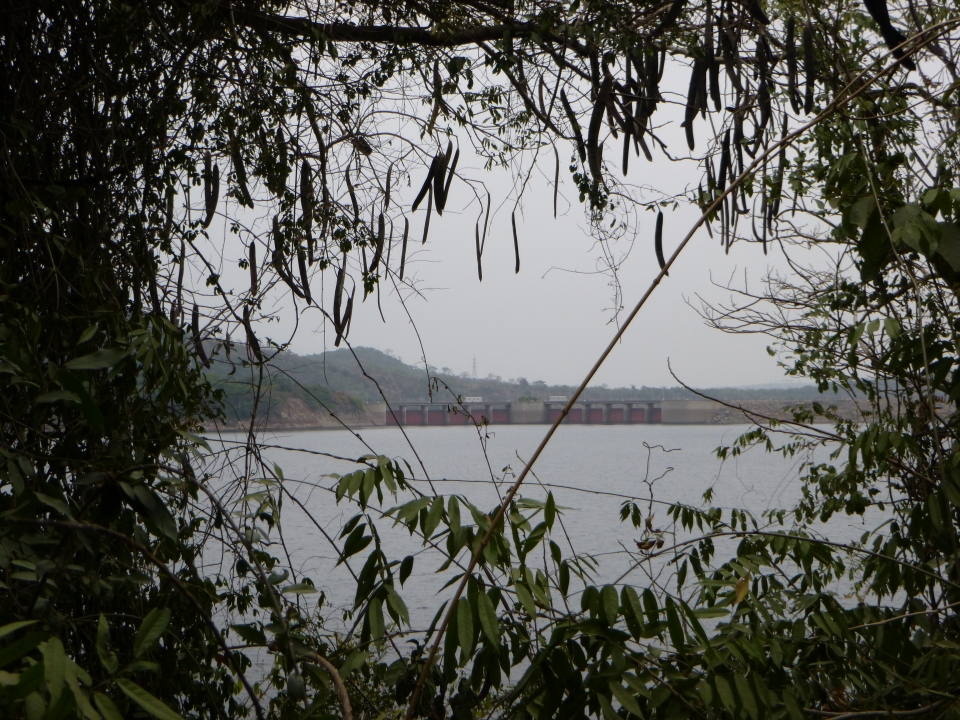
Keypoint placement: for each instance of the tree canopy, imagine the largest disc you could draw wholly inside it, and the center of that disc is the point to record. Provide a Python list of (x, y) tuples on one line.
[(129, 131)]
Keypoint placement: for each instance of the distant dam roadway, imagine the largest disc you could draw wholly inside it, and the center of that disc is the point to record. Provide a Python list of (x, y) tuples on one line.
[(606, 412)]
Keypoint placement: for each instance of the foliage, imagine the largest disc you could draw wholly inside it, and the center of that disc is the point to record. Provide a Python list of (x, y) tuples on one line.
[(114, 283)]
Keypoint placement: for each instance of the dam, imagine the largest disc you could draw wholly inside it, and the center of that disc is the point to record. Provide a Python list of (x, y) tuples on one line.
[(607, 412)]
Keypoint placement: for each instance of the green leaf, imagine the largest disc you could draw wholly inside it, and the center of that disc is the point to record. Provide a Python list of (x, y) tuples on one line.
[(610, 603), (106, 707), (11, 628), (356, 542), (150, 630), (488, 618), (607, 707), (406, 567), (626, 698), (300, 588), (375, 617), (58, 395), (79, 696), (434, 515), (19, 648), (54, 667), (146, 701), (353, 661), (526, 599), (745, 692), (396, 603), (99, 360), (107, 658), (465, 625), (726, 694), (549, 511), (56, 503), (790, 702), (250, 632), (674, 625)]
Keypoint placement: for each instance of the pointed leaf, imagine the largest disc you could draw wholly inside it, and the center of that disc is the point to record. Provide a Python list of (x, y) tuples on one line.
[(107, 658), (146, 701), (488, 618), (150, 630)]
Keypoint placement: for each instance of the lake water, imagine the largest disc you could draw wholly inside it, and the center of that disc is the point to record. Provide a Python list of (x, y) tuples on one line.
[(590, 469)]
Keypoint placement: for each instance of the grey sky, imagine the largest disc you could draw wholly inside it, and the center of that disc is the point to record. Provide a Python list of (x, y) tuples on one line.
[(547, 322)]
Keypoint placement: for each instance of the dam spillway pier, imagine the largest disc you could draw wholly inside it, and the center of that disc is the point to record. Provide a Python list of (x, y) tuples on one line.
[(606, 412)]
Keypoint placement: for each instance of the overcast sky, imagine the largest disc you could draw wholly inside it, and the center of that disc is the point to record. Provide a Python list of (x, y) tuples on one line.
[(551, 321)]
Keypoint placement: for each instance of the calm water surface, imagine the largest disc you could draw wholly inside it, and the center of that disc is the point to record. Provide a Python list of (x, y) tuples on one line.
[(580, 464)]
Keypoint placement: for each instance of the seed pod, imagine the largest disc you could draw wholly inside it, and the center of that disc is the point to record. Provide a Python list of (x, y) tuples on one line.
[(197, 343), (757, 13), (593, 131), (426, 224), (338, 292), (724, 162), (446, 187), (575, 126), (439, 176), (378, 251), (252, 262), (403, 252), (353, 197), (304, 279), (891, 36), (252, 343), (241, 173), (809, 66), (626, 153), (168, 217), (386, 194), (658, 242), (791, 50), (282, 152), (345, 323), (479, 264), (669, 19), (556, 181), (713, 69), (306, 195), (211, 190), (427, 184), (279, 260), (693, 105), (652, 72), (516, 243), (763, 100)]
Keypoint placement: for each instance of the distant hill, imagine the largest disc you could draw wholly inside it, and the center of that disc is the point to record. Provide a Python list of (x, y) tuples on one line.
[(344, 383)]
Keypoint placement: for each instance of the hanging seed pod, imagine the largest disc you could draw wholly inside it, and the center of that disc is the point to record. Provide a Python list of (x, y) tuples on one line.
[(304, 279), (168, 218), (403, 251), (338, 293), (891, 36), (639, 128), (442, 202), (593, 131), (669, 19), (252, 344), (211, 190), (427, 184), (757, 13), (279, 260), (439, 176), (197, 343), (556, 181), (724, 162), (306, 194), (345, 325), (626, 153), (386, 194), (738, 141), (791, 51), (516, 243), (479, 264), (713, 70), (730, 52), (574, 126), (809, 66), (426, 224), (378, 251), (652, 72), (781, 170), (693, 105), (283, 154), (763, 101), (252, 262), (658, 242), (240, 172), (353, 197)]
